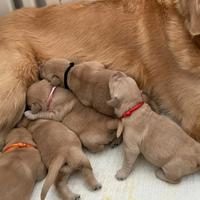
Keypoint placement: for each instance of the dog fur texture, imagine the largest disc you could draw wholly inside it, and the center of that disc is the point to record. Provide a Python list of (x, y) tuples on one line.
[(161, 141), (152, 41), (94, 129), (87, 80)]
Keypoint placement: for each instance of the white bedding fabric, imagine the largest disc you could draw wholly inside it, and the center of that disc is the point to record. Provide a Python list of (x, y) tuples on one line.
[(141, 184)]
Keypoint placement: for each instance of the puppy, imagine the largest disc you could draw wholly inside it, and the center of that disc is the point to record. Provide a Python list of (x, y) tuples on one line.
[(95, 130), (87, 80), (20, 166), (161, 141), (62, 154)]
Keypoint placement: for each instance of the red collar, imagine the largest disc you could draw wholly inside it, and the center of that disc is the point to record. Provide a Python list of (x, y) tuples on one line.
[(133, 109), (50, 97)]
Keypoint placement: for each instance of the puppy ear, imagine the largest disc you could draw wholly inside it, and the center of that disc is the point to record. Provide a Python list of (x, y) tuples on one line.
[(55, 81), (118, 75), (35, 108), (114, 102)]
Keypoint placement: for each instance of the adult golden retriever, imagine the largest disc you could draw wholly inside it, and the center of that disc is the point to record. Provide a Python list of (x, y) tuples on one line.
[(151, 40)]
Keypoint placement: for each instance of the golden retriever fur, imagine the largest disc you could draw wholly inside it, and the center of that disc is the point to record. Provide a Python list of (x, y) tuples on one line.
[(149, 40)]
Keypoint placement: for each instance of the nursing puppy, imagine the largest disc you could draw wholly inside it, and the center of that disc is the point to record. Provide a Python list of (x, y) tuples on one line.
[(95, 130), (150, 41), (161, 141), (62, 154), (20, 166), (87, 80)]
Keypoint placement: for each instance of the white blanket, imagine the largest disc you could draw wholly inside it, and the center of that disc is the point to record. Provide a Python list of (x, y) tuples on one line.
[(141, 184)]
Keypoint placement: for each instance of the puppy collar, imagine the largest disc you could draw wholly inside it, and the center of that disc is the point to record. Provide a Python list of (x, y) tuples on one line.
[(133, 109), (19, 145), (50, 97), (66, 75)]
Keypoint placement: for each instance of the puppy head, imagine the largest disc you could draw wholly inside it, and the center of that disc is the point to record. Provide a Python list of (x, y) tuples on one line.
[(93, 64), (37, 96), (123, 91), (19, 135), (53, 70), (190, 10)]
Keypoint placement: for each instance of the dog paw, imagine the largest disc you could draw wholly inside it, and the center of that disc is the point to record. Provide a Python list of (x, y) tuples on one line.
[(96, 187), (116, 142), (72, 196), (28, 114), (76, 197), (121, 175)]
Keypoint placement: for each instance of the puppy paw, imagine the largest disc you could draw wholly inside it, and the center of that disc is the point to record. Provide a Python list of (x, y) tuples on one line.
[(76, 197), (96, 187), (121, 175), (28, 114), (116, 142)]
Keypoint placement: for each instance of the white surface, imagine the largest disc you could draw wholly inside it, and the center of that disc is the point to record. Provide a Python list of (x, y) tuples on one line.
[(5, 6), (141, 184)]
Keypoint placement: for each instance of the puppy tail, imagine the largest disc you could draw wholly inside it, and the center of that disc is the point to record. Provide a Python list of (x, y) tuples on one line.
[(53, 171)]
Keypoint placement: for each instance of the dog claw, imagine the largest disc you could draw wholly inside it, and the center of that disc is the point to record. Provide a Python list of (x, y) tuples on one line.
[(120, 176), (113, 145), (76, 197), (116, 142), (97, 187)]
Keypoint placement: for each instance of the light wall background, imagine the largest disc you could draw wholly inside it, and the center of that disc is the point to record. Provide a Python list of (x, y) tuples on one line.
[(10, 5)]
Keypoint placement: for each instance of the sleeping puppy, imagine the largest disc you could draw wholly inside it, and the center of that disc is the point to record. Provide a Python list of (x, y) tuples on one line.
[(94, 129), (20, 166), (161, 141), (62, 154), (87, 80)]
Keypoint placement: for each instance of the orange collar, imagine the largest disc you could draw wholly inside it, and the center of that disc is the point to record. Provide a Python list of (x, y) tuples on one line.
[(17, 146), (133, 109)]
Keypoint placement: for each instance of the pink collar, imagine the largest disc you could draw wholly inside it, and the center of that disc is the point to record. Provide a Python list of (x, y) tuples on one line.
[(133, 109), (50, 97)]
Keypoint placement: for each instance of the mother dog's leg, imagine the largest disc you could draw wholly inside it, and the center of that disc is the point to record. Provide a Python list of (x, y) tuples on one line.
[(17, 71)]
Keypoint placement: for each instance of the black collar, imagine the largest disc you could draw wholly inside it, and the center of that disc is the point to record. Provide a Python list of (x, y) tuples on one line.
[(66, 75)]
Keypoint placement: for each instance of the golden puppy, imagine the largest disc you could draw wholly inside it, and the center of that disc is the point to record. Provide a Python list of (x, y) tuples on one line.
[(87, 80), (94, 129), (150, 40), (20, 166), (161, 141), (62, 154)]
